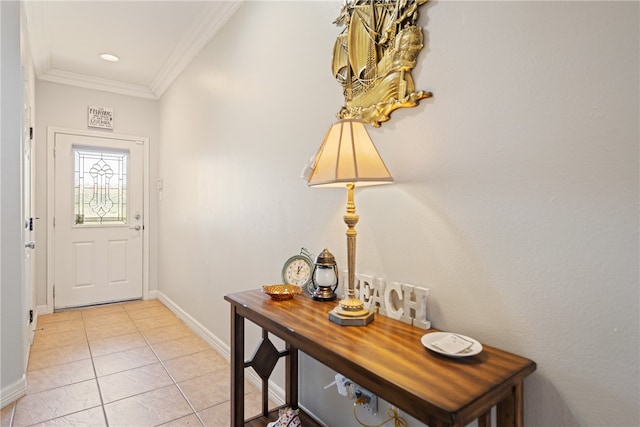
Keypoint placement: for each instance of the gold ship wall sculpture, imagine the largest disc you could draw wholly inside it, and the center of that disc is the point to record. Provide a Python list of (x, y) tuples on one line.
[(374, 55)]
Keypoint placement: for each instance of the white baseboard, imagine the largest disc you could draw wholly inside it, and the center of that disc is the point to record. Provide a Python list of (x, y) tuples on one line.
[(13, 392), (195, 326), (43, 309), (276, 393)]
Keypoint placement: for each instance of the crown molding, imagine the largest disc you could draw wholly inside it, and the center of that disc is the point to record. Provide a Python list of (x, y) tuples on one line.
[(97, 83), (36, 13), (214, 17)]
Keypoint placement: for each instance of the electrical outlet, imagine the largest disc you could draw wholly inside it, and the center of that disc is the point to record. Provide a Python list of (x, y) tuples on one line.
[(343, 384), (365, 399), (370, 400)]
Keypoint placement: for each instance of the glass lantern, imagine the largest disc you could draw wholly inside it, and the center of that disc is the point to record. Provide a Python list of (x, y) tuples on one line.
[(325, 277)]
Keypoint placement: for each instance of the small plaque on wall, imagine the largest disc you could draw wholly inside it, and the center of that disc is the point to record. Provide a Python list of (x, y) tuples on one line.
[(100, 117)]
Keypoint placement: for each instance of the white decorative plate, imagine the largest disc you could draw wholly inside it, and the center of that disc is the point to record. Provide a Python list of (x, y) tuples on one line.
[(452, 345)]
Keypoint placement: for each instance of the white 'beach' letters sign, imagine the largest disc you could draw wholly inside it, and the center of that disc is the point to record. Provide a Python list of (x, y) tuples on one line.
[(400, 301)]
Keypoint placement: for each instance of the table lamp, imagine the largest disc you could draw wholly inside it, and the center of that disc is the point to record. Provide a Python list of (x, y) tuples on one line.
[(348, 157)]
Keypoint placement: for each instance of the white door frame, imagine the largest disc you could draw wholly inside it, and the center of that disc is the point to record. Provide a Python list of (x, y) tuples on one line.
[(28, 202), (51, 137)]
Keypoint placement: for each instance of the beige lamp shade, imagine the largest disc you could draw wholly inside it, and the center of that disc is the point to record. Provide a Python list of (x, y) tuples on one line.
[(347, 155)]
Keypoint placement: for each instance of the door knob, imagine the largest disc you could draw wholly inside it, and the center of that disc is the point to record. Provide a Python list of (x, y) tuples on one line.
[(30, 245), (137, 228)]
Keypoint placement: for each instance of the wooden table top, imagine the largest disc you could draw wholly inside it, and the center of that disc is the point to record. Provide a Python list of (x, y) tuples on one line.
[(388, 358)]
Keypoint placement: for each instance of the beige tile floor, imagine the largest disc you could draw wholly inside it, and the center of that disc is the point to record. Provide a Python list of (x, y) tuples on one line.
[(131, 364)]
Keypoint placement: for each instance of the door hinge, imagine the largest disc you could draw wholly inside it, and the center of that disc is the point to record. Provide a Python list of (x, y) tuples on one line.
[(31, 133), (31, 222), (30, 316), (54, 291)]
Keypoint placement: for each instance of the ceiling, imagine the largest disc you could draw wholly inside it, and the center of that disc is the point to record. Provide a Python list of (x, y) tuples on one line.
[(155, 41)]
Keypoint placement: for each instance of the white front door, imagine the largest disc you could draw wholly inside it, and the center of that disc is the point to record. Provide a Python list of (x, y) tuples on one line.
[(98, 219)]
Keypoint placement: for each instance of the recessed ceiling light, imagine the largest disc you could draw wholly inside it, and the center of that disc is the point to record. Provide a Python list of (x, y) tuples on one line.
[(109, 57)]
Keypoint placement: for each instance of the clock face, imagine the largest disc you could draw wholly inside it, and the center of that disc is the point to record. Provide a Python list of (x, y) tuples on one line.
[(297, 271)]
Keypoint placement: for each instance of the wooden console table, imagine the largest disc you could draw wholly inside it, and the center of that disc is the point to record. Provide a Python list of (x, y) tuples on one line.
[(385, 357)]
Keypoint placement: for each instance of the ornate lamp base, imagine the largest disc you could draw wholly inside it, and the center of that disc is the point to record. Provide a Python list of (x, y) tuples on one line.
[(347, 318)]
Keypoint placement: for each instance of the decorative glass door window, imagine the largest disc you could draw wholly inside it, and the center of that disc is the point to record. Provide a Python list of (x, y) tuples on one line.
[(100, 187)]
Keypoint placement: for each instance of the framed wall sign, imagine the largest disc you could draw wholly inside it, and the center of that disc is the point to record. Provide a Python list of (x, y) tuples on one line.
[(100, 117)]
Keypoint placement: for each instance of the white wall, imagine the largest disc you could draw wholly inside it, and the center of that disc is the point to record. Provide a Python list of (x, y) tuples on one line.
[(65, 106), (516, 195), (12, 329)]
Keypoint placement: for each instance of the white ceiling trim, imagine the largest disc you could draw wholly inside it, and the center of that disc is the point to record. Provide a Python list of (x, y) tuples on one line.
[(202, 31), (97, 83), (38, 31)]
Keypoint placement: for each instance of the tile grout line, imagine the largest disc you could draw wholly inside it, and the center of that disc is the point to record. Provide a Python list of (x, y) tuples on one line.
[(168, 373), (13, 413), (95, 372), (140, 330), (43, 391)]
